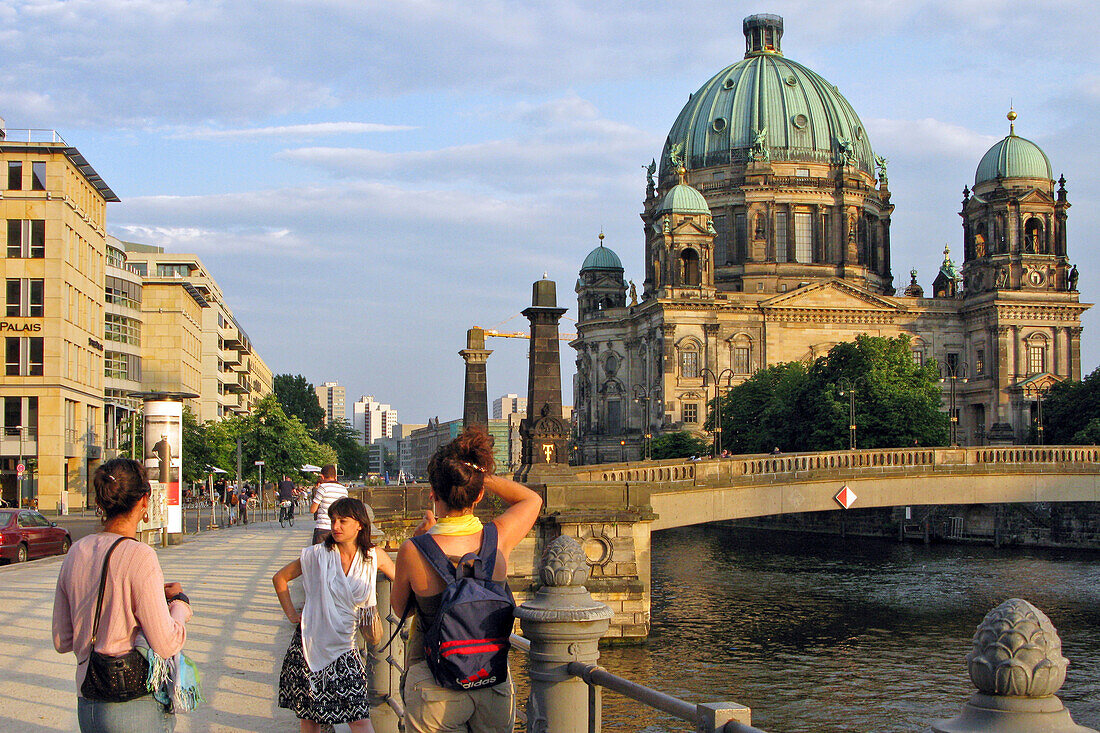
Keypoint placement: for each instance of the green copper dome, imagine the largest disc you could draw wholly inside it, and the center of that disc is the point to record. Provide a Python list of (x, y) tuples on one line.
[(601, 258), (683, 199), (767, 107), (1013, 157)]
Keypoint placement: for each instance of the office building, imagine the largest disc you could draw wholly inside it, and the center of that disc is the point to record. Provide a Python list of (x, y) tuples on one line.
[(330, 395), (372, 420), (508, 404)]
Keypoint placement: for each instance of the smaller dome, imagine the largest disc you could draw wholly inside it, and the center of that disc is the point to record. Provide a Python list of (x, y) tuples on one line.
[(602, 258), (1013, 157), (683, 199)]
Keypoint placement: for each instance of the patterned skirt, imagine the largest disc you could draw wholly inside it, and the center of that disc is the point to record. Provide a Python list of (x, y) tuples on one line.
[(340, 698)]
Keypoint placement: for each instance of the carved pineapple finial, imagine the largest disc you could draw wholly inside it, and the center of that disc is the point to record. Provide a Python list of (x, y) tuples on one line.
[(1017, 652), (563, 563)]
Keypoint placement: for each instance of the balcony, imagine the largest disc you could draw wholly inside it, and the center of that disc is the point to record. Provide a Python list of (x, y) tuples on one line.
[(19, 441)]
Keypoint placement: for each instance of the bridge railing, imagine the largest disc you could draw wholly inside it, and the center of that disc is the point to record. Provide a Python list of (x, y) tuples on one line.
[(699, 471)]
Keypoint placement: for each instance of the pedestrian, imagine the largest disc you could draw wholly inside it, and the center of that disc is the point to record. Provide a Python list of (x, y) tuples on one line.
[(461, 473), (323, 678), (243, 503), (111, 598), (328, 491), (233, 500)]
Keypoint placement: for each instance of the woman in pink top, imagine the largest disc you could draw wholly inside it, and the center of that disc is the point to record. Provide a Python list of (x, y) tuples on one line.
[(136, 600)]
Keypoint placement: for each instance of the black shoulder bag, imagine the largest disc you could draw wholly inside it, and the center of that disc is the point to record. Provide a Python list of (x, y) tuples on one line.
[(113, 679)]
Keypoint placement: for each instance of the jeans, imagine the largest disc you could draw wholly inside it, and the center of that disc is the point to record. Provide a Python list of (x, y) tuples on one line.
[(144, 714)]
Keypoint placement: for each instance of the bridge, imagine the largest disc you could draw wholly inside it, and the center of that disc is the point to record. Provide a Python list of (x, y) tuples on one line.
[(612, 509)]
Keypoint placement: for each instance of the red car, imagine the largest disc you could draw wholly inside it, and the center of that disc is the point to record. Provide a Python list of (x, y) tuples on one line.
[(24, 534)]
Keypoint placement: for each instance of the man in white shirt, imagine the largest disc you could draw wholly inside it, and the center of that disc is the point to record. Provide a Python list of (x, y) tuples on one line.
[(327, 491)]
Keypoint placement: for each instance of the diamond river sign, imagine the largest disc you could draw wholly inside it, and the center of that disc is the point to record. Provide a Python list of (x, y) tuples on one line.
[(845, 497)]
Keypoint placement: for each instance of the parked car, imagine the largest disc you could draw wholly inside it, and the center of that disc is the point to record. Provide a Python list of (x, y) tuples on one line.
[(26, 534)]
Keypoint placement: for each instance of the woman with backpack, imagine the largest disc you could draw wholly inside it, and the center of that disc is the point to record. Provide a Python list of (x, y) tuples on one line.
[(453, 548), (323, 678)]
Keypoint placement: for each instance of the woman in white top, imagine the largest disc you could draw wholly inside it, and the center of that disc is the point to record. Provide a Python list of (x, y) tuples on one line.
[(323, 678)]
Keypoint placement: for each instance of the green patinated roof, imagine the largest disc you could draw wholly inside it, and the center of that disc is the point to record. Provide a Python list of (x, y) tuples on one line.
[(804, 116), (601, 258), (1013, 157), (683, 199)]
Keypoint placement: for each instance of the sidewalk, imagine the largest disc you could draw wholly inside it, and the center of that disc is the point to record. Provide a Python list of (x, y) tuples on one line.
[(237, 637)]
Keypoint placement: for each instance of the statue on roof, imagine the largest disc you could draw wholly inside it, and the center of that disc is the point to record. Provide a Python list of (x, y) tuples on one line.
[(845, 152), (676, 155), (880, 163), (760, 150), (650, 186)]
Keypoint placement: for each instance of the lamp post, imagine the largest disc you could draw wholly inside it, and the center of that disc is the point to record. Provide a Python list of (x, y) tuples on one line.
[(1039, 392), (645, 397), (728, 375), (622, 451), (848, 388), (952, 372)]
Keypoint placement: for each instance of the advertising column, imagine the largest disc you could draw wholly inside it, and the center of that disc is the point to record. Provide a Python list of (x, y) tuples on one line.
[(164, 454)]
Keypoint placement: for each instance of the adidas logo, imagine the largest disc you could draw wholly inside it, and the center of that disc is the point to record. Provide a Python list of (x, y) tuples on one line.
[(480, 678)]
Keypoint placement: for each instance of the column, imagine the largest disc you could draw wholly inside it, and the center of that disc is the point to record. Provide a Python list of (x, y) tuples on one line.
[(475, 403)]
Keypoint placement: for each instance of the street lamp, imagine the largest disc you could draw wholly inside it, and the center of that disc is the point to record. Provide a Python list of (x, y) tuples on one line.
[(728, 374), (645, 396), (622, 451), (1039, 391), (848, 388), (953, 371)]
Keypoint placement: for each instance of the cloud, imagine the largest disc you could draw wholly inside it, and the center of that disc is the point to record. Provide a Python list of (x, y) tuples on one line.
[(927, 137), (315, 129)]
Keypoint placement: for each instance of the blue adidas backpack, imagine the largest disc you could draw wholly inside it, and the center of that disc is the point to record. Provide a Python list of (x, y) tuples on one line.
[(466, 647)]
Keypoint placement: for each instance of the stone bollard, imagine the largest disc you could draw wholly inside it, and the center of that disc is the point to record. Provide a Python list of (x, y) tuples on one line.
[(384, 681), (1017, 666), (564, 624)]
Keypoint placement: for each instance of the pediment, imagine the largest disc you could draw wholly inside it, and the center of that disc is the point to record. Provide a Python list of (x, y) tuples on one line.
[(1036, 195), (688, 226), (1036, 383), (834, 295)]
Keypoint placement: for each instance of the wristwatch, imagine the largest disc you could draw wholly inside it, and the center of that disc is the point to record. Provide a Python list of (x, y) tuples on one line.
[(180, 597)]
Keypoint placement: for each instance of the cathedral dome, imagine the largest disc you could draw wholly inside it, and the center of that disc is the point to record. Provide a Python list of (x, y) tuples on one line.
[(601, 258), (683, 199), (1013, 157), (767, 102)]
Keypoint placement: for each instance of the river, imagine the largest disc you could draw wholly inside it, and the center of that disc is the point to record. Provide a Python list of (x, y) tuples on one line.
[(822, 634)]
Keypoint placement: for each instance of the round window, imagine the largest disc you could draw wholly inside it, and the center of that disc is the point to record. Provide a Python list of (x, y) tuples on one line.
[(859, 133), (728, 84), (719, 124), (800, 121), (790, 80)]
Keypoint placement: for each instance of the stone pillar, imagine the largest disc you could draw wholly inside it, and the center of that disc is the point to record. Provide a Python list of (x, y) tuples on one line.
[(1074, 350), (544, 434), (1017, 666), (475, 404), (564, 625)]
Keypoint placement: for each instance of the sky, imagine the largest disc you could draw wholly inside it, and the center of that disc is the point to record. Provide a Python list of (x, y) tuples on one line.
[(367, 180)]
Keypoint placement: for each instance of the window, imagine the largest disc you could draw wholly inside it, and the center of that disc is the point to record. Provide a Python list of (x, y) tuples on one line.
[(140, 268), (123, 292), (721, 241), (918, 357), (803, 238), (38, 176), (1036, 361), (26, 238), (741, 360), (15, 175), (691, 412), (781, 236), (740, 238), (690, 267), (117, 365), (173, 270), (979, 362), (25, 297), (122, 329), (23, 356), (953, 361), (614, 416), (689, 364)]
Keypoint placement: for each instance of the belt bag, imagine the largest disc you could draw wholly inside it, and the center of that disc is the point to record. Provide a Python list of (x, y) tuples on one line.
[(113, 678)]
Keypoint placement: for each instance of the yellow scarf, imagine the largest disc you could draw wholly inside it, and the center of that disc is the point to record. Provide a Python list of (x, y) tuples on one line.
[(463, 524)]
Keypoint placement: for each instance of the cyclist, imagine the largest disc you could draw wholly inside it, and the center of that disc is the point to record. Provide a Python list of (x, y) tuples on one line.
[(286, 498)]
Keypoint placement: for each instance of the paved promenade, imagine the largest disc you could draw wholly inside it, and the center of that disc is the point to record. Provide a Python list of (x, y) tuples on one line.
[(237, 636)]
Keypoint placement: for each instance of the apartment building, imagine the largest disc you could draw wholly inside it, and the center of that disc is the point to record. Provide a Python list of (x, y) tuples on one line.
[(372, 420), (331, 396), (53, 206)]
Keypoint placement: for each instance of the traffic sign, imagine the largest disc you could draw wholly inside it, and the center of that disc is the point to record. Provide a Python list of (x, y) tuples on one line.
[(20, 469), (845, 497), (259, 463)]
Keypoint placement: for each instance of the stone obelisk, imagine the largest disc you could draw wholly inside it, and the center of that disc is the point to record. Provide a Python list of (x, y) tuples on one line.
[(475, 402), (544, 435)]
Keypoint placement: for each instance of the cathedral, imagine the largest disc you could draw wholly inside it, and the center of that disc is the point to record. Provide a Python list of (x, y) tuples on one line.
[(767, 239)]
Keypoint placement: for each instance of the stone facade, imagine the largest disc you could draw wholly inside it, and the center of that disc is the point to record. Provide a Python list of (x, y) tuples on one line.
[(757, 254)]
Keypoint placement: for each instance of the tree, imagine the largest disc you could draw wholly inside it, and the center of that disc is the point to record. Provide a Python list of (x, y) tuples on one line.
[(341, 437), (298, 399), (1071, 412), (679, 445), (280, 441), (795, 407)]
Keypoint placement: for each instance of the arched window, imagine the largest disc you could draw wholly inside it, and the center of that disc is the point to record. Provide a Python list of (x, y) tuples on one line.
[(1033, 236), (689, 361), (981, 240), (741, 354), (689, 261)]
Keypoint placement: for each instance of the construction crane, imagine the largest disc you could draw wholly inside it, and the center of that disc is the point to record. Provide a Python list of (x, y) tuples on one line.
[(522, 334)]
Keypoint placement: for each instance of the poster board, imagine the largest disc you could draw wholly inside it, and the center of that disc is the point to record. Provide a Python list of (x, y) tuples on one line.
[(164, 455)]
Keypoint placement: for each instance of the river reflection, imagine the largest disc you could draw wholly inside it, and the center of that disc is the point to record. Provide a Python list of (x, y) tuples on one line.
[(820, 634)]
